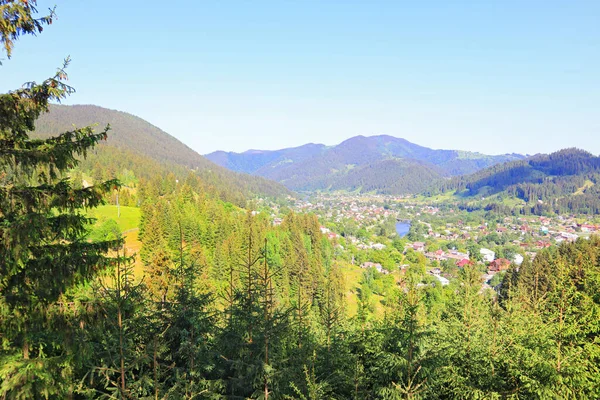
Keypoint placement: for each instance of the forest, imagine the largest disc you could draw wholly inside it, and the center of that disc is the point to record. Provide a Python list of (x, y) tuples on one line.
[(561, 182), (222, 303)]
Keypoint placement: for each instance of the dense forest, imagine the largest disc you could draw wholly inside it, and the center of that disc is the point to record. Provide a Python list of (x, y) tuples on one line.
[(142, 148), (561, 182), (396, 176), (223, 303)]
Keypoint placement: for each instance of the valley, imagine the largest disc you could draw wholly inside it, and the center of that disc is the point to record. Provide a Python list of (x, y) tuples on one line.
[(349, 259), (134, 267), (364, 254)]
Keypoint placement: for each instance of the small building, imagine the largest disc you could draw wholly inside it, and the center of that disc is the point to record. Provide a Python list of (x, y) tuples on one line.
[(501, 264), (378, 246), (418, 246), (487, 254), (377, 266), (588, 228), (463, 263), (518, 259)]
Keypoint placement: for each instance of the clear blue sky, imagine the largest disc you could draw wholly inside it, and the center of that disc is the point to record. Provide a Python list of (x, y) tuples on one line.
[(490, 76)]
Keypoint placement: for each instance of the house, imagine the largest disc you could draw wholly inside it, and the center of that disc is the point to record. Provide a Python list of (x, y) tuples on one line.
[(377, 266), (378, 246), (487, 254), (457, 255), (567, 236), (418, 246), (369, 264), (436, 256), (498, 265), (518, 259), (463, 263), (541, 244), (588, 228)]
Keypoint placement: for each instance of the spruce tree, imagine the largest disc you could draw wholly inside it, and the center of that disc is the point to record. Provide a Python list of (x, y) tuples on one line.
[(43, 251)]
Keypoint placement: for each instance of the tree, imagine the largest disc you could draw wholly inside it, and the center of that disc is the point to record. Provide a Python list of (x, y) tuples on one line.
[(403, 349), (44, 250), (120, 336), (18, 18)]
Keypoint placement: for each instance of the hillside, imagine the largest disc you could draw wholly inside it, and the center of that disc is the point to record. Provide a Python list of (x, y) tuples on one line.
[(387, 177), (252, 161), (565, 181), (135, 144), (358, 163)]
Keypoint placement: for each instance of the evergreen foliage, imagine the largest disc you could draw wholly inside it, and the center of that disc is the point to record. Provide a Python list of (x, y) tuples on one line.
[(562, 182)]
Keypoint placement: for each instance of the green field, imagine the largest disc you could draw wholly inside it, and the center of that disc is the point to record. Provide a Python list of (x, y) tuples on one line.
[(129, 219)]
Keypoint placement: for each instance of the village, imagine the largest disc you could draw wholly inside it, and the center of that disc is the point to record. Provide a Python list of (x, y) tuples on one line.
[(441, 237)]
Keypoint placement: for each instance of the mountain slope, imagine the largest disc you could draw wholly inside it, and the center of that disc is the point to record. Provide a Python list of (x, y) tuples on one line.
[(135, 138), (253, 161), (391, 176), (567, 180), (358, 162)]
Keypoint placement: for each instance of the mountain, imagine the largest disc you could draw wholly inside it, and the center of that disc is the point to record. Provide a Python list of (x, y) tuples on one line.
[(135, 144), (565, 181), (385, 164), (391, 176), (252, 161)]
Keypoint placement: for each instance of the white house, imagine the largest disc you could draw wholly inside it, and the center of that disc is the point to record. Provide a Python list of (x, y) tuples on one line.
[(518, 259), (487, 254)]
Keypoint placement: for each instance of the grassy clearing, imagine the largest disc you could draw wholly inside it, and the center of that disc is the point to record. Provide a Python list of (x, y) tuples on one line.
[(588, 184), (129, 219), (438, 198), (353, 275), (128, 222)]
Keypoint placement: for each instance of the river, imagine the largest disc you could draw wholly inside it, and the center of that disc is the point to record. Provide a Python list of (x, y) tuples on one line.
[(402, 228)]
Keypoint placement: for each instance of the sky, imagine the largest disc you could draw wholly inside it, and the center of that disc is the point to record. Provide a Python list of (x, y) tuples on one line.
[(481, 75)]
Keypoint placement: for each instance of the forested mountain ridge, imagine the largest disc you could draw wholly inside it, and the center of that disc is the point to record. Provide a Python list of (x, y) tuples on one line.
[(566, 180), (390, 176), (358, 159), (132, 138), (252, 161)]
